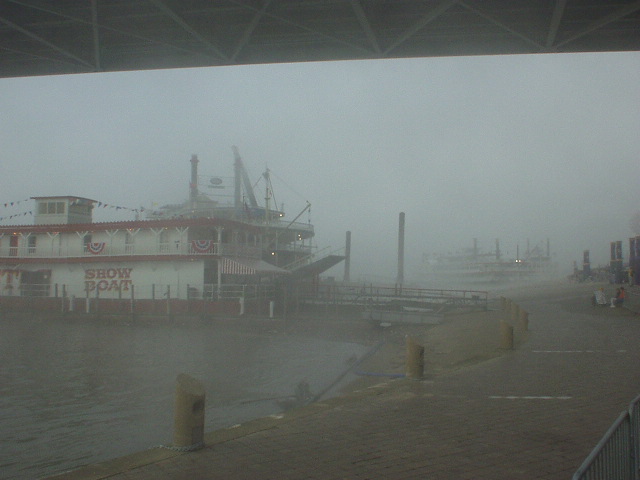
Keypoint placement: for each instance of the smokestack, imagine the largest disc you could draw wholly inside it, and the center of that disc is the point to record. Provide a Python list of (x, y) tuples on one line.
[(497, 249), (586, 264), (400, 279), (347, 258), (193, 186)]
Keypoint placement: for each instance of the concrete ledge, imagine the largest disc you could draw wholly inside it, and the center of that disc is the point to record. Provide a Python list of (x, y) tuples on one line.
[(108, 468), (273, 421)]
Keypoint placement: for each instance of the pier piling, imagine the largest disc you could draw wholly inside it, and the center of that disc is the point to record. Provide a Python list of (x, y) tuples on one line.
[(189, 413), (415, 359), (506, 332)]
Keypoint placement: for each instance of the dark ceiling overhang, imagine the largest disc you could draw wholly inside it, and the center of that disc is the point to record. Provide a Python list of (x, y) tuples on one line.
[(47, 37)]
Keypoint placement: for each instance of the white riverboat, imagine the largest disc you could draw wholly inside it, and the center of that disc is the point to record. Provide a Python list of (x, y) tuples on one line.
[(208, 248)]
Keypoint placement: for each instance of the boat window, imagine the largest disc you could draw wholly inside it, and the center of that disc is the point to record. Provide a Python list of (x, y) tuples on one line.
[(51, 208), (32, 244)]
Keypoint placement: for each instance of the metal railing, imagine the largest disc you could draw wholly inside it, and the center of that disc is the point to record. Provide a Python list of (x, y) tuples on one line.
[(372, 296), (615, 457), (306, 259), (105, 249), (155, 291)]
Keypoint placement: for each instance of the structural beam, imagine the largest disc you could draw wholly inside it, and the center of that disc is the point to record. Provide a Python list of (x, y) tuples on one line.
[(187, 28), (498, 23), (96, 34), (102, 26), (366, 26), (558, 12), (606, 20), (47, 43), (246, 35), (305, 28), (420, 24)]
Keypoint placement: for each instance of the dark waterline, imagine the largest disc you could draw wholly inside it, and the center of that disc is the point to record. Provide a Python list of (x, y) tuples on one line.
[(76, 392)]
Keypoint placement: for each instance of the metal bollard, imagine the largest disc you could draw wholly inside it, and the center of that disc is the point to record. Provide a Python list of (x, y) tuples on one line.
[(188, 430), (415, 359), (506, 332)]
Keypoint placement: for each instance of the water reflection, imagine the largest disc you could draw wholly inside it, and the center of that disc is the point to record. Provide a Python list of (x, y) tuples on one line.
[(74, 392)]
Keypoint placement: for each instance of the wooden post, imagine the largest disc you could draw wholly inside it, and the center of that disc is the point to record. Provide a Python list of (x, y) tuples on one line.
[(415, 359), (168, 299), (506, 332), (96, 307), (87, 303), (188, 424)]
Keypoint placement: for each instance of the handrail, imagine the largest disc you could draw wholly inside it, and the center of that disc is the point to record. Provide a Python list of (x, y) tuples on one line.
[(139, 291), (104, 249), (615, 456), (304, 260)]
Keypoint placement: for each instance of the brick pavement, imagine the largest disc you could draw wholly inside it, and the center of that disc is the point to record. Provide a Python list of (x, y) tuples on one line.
[(534, 413)]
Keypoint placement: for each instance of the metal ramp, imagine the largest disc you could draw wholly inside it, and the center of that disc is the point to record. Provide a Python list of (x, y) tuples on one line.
[(315, 268)]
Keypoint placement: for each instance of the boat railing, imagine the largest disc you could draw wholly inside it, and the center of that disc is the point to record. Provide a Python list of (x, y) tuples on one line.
[(111, 287), (396, 297), (311, 256), (105, 249), (305, 227), (292, 247), (307, 259)]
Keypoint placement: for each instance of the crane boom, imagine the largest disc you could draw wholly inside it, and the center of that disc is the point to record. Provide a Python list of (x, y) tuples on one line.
[(241, 176)]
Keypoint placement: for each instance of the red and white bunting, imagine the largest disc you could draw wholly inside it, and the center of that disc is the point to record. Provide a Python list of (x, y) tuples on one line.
[(202, 246), (95, 248)]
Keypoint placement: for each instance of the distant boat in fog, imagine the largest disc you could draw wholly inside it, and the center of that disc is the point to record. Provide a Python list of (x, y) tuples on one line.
[(471, 266)]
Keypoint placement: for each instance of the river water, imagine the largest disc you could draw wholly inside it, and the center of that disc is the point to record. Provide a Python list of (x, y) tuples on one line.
[(79, 391)]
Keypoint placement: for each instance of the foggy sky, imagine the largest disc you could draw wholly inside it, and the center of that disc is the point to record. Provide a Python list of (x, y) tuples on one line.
[(509, 147)]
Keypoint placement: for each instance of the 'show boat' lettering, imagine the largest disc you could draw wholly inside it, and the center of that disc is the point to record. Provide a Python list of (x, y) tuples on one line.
[(107, 285), (124, 272), (107, 279), (110, 273)]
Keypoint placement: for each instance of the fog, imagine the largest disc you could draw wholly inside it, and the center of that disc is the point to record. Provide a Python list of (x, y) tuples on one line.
[(530, 147)]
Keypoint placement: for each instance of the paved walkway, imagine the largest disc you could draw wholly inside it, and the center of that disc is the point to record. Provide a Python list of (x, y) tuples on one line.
[(534, 413)]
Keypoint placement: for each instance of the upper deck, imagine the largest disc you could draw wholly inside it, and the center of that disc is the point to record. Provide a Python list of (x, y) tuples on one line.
[(147, 238)]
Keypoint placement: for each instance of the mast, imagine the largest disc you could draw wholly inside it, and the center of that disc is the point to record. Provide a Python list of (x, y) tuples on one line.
[(347, 259), (267, 196), (193, 185), (241, 177), (400, 278)]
